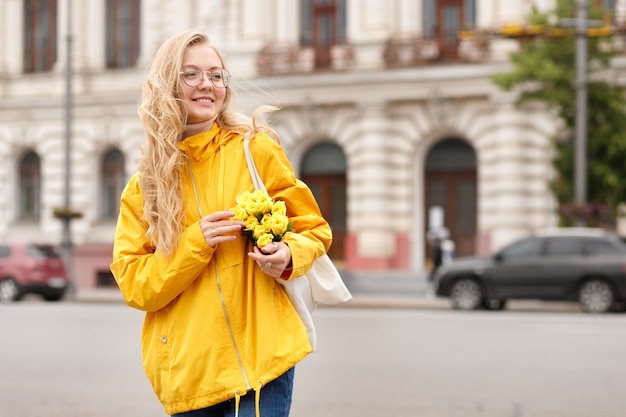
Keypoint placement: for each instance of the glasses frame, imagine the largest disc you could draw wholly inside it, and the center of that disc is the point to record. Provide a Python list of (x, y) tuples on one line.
[(207, 74)]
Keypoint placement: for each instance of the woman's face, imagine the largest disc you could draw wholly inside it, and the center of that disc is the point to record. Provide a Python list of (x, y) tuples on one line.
[(204, 101)]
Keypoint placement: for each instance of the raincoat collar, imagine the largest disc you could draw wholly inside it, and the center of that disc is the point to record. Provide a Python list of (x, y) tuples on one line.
[(202, 143)]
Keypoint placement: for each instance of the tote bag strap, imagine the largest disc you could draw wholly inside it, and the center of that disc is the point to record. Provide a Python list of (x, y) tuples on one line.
[(254, 174), (298, 290)]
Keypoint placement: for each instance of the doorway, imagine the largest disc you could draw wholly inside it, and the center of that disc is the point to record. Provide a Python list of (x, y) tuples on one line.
[(450, 189), (323, 169)]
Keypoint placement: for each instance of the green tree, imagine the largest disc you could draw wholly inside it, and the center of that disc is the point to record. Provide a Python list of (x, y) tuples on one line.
[(544, 69)]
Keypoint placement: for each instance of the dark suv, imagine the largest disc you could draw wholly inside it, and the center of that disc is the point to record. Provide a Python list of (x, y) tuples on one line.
[(566, 264), (30, 268)]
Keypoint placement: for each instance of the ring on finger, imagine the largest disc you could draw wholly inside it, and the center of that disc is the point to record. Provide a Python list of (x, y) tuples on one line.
[(268, 265)]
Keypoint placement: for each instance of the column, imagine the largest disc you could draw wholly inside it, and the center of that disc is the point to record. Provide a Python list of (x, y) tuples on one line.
[(370, 218)]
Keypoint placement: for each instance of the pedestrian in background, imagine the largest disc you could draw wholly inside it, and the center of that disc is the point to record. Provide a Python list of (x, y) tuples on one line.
[(220, 336), (436, 237), (437, 257)]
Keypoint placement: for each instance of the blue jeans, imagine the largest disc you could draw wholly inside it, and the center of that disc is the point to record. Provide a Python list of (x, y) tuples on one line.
[(275, 401)]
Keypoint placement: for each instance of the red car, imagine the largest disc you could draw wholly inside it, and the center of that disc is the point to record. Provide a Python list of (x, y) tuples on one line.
[(31, 268)]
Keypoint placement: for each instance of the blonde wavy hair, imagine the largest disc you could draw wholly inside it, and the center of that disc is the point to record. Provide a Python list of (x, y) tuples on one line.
[(164, 119)]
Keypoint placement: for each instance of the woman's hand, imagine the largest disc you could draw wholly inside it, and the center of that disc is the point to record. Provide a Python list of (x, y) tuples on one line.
[(217, 227), (273, 259)]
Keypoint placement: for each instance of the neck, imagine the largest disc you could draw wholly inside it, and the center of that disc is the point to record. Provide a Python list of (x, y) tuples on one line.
[(192, 129)]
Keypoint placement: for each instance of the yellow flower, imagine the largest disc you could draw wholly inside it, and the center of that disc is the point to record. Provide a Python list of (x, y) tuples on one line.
[(240, 213), (265, 221), (280, 208), (242, 199), (251, 223), (278, 224), (259, 230), (258, 203), (264, 240)]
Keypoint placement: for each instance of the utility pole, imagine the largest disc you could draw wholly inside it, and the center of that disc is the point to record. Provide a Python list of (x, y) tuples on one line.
[(66, 239), (580, 158)]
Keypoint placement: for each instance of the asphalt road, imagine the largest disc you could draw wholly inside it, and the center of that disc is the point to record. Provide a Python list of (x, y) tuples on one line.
[(78, 359)]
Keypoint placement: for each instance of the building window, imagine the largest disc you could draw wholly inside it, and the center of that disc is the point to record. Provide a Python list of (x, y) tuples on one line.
[(29, 187), (113, 181), (444, 19), (122, 37), (323, 25), (40, 35)]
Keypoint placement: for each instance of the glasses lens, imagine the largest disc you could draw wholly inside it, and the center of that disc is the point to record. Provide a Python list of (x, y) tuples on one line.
[(192, 78), (220, 78)]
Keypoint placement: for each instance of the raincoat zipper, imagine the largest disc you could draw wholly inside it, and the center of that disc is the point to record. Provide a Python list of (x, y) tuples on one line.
[(217, 278)]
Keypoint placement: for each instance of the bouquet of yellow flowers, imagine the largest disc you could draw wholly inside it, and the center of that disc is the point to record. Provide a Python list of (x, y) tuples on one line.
[(265, 220)]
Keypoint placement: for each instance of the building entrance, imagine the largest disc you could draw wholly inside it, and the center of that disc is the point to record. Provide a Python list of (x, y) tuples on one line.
[(323, 169), (450, 191)]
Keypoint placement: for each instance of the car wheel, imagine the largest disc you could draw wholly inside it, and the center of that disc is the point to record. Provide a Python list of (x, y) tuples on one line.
[(466, 294), (494, 304), (8, 290), (596, 296)]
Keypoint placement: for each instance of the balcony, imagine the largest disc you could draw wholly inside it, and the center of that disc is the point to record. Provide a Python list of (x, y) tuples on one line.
[(294, 59), (414, 51)]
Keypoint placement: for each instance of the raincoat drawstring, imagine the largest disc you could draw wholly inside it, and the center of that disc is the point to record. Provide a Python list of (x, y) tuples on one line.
[(237, 401), (257, 401)]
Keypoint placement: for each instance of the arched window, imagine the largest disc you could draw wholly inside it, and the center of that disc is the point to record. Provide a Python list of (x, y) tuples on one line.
[(113, 181), (29, 187), (324, 158)]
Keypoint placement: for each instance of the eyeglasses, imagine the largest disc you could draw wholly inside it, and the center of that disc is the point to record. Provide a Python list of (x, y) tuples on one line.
[(193, 77)]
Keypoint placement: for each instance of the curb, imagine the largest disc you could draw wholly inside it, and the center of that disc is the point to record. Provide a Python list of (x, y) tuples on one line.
[(366, 300), (113, 296)]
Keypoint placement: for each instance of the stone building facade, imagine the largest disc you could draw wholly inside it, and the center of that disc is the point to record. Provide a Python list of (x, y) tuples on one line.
[(387, 114)]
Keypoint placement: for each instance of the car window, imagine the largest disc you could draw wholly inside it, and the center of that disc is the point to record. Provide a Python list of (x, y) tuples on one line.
[(42, 251), (594, 246), (564, 246), (523, 249)]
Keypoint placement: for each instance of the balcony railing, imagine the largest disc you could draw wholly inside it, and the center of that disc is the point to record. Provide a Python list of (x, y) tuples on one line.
[(292, 59), (397, 52), (412, 51)]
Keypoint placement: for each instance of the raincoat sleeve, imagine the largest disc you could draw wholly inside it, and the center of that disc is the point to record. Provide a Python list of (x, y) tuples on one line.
[(312, 237), (149, 281)]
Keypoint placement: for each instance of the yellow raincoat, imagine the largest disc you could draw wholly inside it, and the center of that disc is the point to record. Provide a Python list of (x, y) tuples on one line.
[(216, 326)]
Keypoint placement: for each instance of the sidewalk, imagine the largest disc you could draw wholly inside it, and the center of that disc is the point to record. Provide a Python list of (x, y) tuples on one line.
[(369, 289), (400, 290)]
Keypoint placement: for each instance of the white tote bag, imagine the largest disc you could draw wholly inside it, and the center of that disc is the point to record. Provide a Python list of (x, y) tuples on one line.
[(322, 284)]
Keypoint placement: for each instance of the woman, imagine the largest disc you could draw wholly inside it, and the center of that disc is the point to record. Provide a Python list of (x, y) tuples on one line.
[(220, 336)]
